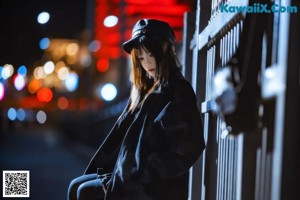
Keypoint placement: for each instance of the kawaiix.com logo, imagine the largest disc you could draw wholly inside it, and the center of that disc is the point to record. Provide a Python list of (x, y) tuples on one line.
[(258, 8)]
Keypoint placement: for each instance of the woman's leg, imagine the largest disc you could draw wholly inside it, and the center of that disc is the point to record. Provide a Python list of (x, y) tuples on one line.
[(75, 183), (90, 190)]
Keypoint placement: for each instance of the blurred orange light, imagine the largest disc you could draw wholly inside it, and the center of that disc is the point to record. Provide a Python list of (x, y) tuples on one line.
[(102, 65), (34, 85), (62, 103), (44, 95)]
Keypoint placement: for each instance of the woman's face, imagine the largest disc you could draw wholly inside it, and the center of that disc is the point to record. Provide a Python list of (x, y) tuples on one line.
[(147, 61)]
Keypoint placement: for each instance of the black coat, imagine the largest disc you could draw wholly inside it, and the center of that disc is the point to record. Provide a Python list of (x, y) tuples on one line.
[(149, 153)]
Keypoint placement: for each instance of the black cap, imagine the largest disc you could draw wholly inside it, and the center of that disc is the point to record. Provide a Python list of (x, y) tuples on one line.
[(153, 27)]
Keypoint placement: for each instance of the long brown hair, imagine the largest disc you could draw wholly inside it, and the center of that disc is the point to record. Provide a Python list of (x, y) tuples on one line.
[(166, 60)]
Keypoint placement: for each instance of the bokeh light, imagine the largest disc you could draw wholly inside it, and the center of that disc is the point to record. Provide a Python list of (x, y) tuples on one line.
[(21, 114), (62, 103), (39, 73), (41, 117), (110, 21), (102, 65), (71, 82), (2, 91), (94, 46), (22, 70), (1, 68), (12, 114), (43, 17), (108, 92), (72, 49), (86, 60), (34, 85), (19, 82), (44, 43), (63, 73), (7, 71), (49, 67), (44, 95)]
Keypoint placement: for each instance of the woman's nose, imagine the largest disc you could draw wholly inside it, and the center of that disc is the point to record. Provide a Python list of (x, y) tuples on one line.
[(148, 61)]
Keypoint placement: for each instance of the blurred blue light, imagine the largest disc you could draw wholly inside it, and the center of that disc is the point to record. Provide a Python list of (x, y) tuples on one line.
[(94, 46), (1, 72), (20, 114), (12, 114), (71, 82), (44, 43), (22, 70)]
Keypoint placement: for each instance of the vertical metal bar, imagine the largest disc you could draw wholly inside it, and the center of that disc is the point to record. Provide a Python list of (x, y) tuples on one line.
[(231, 41), (208, 75), (239, 182), (268, 175), (231, 172), (223, 50), (235, 168), (263, 162), (226, 167), (257, 174), (220, 140), (219, 162), (228, 47), (222, 178), (230, 44), (229, 169), (280, 103), (213, 59)]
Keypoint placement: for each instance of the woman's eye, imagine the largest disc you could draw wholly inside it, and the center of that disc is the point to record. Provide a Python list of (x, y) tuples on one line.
[(141, 58)]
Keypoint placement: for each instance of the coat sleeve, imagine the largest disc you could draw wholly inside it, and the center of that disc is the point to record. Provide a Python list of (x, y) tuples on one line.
[(181, 126), (106, 155)]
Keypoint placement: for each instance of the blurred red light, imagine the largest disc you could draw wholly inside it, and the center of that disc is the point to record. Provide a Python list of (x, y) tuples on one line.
[(102, 65), (62, 103), (44, 95)]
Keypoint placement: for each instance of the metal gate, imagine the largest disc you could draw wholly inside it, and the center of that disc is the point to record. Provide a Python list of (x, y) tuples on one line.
[(252, 152)]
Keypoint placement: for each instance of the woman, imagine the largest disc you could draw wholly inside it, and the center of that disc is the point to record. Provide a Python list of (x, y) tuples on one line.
[(158, 137)]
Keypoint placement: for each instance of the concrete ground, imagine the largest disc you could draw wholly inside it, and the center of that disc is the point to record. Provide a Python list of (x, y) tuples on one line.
[(53, 161)]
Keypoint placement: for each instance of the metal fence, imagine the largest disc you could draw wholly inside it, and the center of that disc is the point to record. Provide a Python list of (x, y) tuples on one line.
[(258, 159)]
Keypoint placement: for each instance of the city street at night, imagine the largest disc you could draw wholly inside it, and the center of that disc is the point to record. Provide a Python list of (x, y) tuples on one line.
[(53, 161)]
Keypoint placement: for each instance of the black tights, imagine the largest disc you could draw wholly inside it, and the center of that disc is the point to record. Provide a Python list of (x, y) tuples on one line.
[(86, 187)]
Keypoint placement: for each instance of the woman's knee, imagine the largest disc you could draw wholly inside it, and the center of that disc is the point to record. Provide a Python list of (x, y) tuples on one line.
[(72, 191), (83, 192), (91, 190), (75, 183)]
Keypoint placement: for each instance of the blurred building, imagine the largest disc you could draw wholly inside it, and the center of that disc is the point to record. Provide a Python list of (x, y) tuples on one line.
[(75, 71)]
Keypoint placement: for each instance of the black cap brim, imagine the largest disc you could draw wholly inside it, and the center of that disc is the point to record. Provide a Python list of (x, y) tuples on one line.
[(129, 45)]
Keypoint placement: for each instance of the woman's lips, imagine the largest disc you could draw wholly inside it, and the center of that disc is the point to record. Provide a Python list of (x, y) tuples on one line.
[(151, 70)]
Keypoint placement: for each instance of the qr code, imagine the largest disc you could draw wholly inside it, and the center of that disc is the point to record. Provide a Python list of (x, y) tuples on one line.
[(16, 183)]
